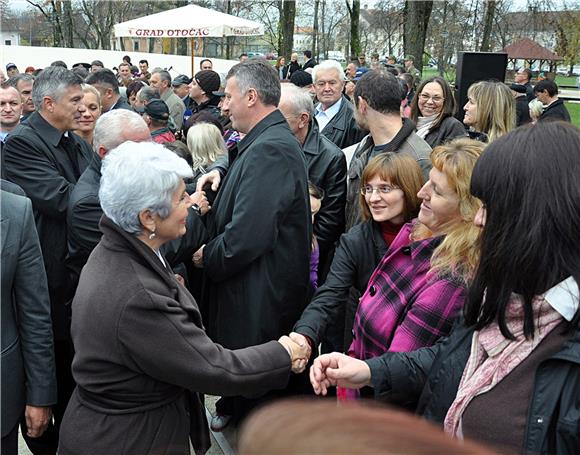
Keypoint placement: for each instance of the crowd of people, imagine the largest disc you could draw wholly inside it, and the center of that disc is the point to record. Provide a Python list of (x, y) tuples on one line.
[(287, 230)]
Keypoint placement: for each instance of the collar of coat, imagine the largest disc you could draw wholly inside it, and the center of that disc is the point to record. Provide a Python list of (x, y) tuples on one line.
[(271, 119), (45, 129), (312, 142)]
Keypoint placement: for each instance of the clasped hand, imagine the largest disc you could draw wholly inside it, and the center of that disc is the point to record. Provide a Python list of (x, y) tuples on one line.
[(298, 348), (338, 370)]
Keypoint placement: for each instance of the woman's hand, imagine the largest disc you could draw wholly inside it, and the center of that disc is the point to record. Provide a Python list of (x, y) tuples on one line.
[(199, 202), (338, 370)]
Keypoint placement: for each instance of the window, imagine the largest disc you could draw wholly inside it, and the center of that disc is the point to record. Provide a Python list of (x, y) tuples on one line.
[(8, 42)]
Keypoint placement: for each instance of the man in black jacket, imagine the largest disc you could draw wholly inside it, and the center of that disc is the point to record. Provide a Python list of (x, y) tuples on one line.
[(257, 261), (326, 169), (547, 92), (44, 158), (522, 108), (334, 112), (108, 86)]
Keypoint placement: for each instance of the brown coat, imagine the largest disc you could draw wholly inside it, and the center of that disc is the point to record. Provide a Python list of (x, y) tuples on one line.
[(140, 348)]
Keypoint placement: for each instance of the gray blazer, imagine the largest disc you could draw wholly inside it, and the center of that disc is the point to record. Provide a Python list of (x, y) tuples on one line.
[(28, 370)]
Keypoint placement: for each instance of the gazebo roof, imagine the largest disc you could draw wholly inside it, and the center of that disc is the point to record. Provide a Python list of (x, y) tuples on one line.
[(528, 49)]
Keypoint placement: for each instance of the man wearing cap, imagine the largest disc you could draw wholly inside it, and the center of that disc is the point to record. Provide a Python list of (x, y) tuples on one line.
[(181, 86), (108, 87), (161, 80), (23, 83), (11, 70), (303, 80), (156, 117), (522, 108), (410, 66), (334, 112), (201, 90)]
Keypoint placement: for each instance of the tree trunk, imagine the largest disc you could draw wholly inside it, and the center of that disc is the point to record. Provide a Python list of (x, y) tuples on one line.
[(67, 24), (315, 45), (229, 39), (488, 25), (416, 20), (354, 13), (287, 27)]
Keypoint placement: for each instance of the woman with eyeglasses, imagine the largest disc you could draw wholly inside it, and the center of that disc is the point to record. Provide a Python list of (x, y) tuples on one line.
[(388, 199), (432, 110), (418, 288)]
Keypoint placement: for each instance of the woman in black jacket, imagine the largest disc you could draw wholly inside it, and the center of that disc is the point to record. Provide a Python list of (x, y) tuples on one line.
[(509, 373), (433, 110), (388, 199)]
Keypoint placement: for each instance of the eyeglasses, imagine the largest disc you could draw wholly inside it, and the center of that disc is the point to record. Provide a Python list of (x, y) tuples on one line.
[(435, 98), (368, 190)]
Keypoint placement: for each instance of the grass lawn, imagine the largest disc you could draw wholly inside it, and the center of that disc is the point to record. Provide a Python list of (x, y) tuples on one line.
[(574, 110)]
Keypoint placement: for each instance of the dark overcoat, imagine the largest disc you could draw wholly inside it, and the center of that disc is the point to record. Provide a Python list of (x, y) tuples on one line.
[(38, 159), (28, 371), (257, 263), (142, 353)]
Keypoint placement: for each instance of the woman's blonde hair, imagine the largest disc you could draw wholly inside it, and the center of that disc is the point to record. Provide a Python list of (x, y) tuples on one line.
[(536, 108), (205, 143), (458, 253), (87, 88), (496, 109), (401, 171)]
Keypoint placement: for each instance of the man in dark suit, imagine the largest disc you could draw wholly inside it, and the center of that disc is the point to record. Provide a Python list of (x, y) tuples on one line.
[(554, 109), (44, 158), (28, 372), (308, 61), (108, 86)]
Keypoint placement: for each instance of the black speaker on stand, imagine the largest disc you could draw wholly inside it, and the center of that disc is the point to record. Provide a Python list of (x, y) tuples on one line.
[(476, 66)]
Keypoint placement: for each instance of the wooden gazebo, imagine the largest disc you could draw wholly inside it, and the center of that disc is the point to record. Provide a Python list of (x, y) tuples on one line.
[(530, 51)]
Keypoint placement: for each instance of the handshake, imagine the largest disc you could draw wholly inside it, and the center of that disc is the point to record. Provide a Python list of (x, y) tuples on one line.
[(299, 349)]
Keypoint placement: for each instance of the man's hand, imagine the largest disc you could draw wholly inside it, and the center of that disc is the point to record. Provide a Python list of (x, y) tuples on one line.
[(198, 258), (212, 177), (37, 419), (299, 355), (338, 370)]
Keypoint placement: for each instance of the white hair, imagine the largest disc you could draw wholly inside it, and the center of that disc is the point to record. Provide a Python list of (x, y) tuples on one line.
[(536, 108), (325, 66), (299, 100), (137, 177), (111, 127)]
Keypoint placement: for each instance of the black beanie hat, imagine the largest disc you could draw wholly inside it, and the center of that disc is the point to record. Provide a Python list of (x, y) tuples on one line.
[(208, 80), (301, 78)]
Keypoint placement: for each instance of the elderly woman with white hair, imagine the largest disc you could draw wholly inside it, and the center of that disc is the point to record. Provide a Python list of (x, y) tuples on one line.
[(141, 352)]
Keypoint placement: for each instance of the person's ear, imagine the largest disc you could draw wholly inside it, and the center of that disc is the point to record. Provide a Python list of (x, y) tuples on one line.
[(48, 104), (252, 95), (147, 220), (304, 120), (102, 151)]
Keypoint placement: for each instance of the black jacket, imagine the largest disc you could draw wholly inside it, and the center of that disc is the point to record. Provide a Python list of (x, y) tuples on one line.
[(310, 63), (84, 214), (292, 67), (122, 104), (434, 374), (37, 160), (449, 129), (357, 255), (327, 170), (258, 259), (529, 91), (522, 110), (342, 129), (554, 112)]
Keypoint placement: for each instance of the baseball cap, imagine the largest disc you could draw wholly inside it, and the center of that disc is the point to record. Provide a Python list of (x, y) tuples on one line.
[(10, 65), (359, 72), (182, 79)]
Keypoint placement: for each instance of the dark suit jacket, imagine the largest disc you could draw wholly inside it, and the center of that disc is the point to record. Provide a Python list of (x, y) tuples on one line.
[(28, 371), (36, 159), (554, 112), (342, 129)]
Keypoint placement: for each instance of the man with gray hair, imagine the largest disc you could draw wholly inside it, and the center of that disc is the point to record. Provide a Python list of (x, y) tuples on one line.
[(161, 80), (326, 169), (84, 208), (257, 261), (46, 159), (143, 97), (334, 112), (23, 83)]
